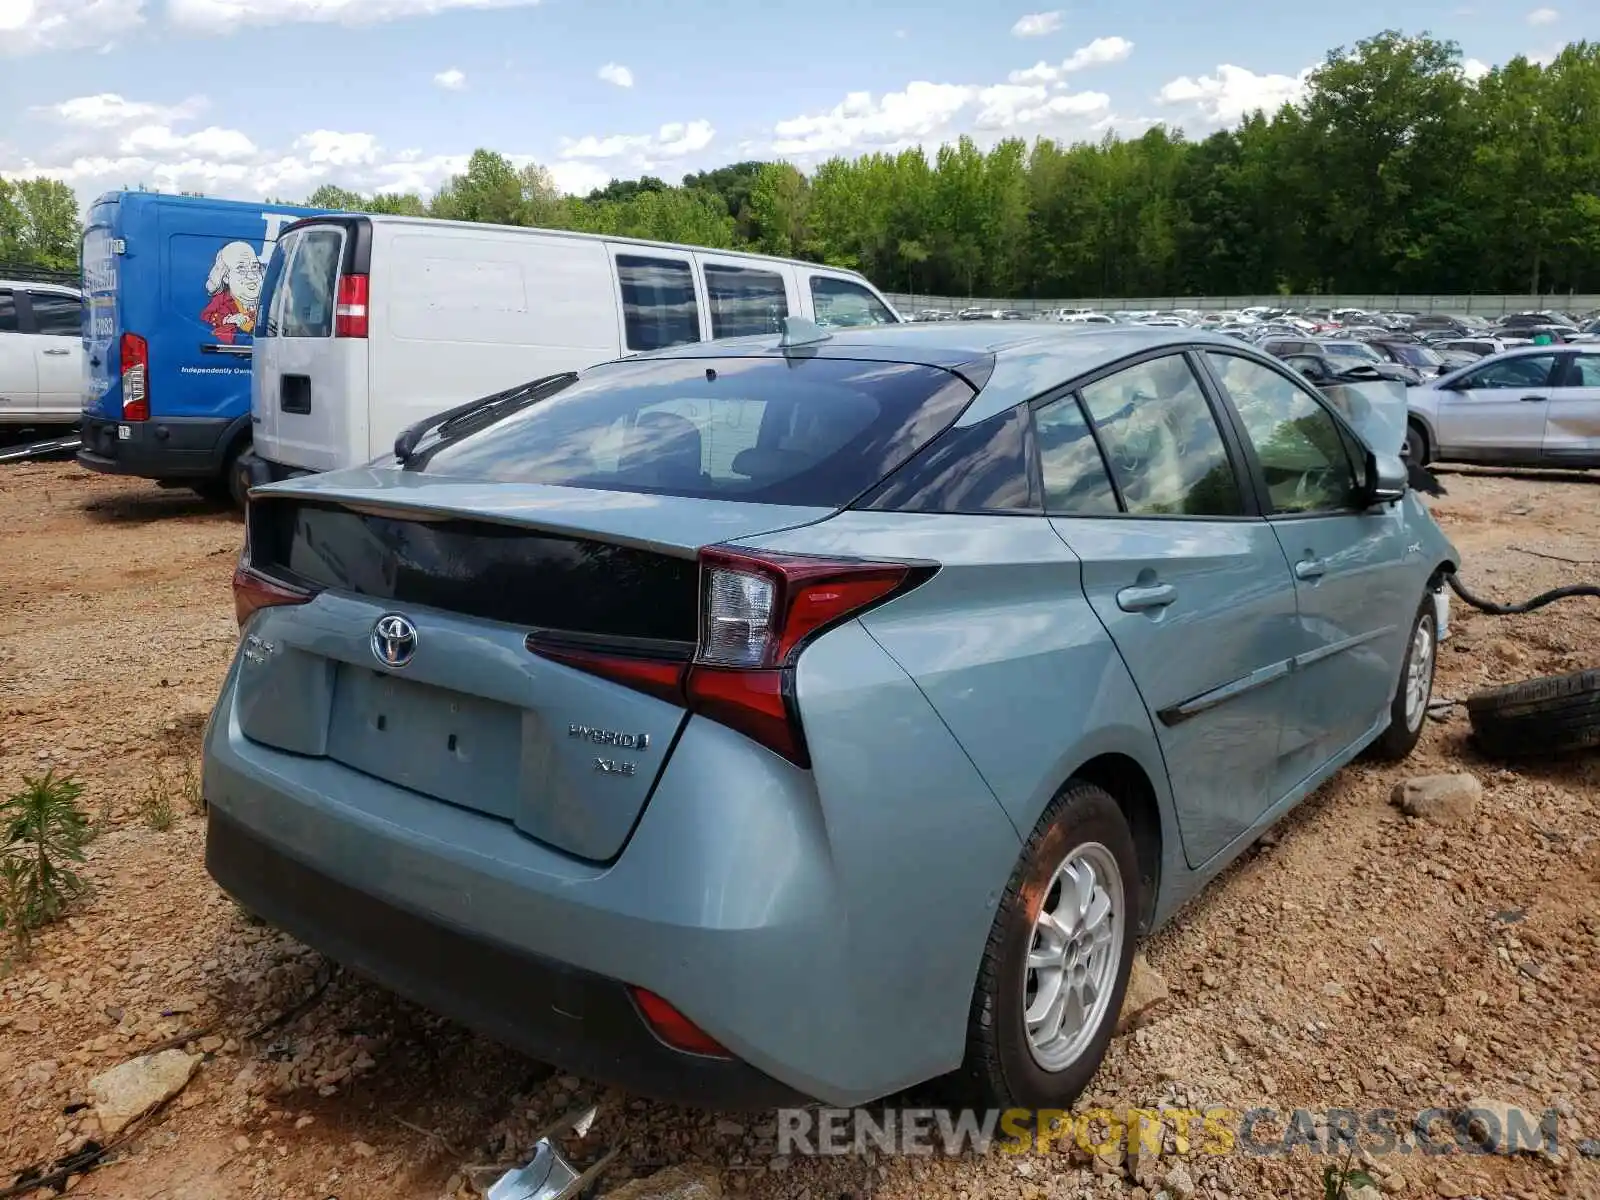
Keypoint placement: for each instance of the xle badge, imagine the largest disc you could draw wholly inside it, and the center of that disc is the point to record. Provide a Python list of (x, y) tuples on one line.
[(611, 766)]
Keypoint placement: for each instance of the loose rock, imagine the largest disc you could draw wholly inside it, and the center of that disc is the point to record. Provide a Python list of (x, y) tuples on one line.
[(674, 1183), (1442, 799), (1146, 991), (135, 1087)]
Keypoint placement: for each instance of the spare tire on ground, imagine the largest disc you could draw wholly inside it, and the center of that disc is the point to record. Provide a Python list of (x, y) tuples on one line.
[(1555, 714)]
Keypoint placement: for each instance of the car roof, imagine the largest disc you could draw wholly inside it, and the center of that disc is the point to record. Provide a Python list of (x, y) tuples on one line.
[(1029, 357), (40, 286), (429, 223)]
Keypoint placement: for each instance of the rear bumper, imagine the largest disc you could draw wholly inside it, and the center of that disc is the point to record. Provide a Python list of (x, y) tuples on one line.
[(161, 448), (556, 1013)]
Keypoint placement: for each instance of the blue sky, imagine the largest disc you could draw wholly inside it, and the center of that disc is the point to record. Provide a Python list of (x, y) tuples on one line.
[(248, 98)]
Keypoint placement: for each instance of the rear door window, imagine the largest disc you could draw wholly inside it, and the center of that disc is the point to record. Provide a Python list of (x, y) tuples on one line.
[(310, 284), (779, 431), (1075, 478), (8, 312), (745, 301), (658, 302), (839, 303), (57, 314), (1528, 370), (1163, 442)]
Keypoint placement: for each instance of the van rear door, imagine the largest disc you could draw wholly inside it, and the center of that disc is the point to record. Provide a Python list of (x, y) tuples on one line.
[(308, 399), (102, 385)]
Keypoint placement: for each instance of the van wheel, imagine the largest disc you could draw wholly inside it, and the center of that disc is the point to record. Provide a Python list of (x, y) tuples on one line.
[(238, 480), (1054, 971), (1416, 445)]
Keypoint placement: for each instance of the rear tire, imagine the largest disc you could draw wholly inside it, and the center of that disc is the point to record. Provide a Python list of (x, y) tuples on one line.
[(1065, 926), (1416, 445), (1408, 712)]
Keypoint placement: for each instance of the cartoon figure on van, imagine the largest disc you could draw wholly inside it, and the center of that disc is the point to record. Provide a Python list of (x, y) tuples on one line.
[(234, 286)]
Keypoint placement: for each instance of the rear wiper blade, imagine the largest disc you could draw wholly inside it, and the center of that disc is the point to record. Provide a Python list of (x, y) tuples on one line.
[(494, 406)]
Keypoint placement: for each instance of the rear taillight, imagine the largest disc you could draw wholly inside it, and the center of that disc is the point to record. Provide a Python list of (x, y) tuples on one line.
[(757, 613), (135, 378), (253, 591), (350, 307)]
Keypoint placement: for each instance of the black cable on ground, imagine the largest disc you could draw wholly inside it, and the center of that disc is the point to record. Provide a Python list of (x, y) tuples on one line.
[(1527, 606)]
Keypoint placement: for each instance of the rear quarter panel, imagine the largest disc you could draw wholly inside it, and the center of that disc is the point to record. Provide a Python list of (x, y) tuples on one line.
[(1005, 647)]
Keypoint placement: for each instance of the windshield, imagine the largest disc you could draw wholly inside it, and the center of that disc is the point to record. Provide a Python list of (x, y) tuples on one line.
[(1417, 356), (807, 431), (1353, 350)]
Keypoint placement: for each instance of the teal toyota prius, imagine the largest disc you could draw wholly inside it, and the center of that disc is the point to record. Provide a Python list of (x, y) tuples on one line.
[(812, 715)]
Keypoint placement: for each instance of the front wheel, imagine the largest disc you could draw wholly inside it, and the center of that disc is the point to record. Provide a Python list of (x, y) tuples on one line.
[(1409, 710), (1054, 971)]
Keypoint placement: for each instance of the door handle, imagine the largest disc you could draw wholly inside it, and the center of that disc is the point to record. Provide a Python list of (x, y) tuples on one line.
[(1310, 568), (1534, 399), (221, 348), (54, 353), (1143, 599)]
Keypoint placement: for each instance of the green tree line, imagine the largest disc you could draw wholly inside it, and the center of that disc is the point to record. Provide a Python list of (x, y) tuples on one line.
[(1396, 172)]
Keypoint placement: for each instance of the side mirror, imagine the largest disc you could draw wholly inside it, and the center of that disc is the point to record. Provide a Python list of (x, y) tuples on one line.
[(1387, 478)]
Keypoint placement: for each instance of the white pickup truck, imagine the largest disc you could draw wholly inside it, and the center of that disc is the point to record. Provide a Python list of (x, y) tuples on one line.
[(41, 354)]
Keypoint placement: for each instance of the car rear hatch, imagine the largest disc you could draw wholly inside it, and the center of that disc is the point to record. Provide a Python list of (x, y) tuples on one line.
[(474, 717), (507, 621)]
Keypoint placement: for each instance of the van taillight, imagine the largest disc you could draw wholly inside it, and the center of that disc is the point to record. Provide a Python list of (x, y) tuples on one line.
[(350, 307), (135, 378)]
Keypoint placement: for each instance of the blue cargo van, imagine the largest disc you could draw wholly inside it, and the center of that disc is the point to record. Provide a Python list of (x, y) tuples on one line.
[(170, 288)]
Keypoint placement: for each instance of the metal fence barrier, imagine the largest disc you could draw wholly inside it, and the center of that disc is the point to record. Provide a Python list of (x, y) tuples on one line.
[(1484, 306), (22, 274)]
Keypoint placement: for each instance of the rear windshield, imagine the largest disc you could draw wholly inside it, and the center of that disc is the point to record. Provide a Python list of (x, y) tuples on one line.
[(808, 431)]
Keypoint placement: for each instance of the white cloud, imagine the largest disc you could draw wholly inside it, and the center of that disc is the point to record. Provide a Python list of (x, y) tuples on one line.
[(579, 178), (337, 149), (1223, 98), (31, 26), (930, 113), (1098, 53), (1474, 69), (671, 141), (224, 16), (615, 73), (211, 142), (1036, 25), (1543, 16), (107, 110), (451, 80)]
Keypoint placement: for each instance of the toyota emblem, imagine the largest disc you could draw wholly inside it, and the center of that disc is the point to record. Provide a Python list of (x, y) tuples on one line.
[(394, 640)]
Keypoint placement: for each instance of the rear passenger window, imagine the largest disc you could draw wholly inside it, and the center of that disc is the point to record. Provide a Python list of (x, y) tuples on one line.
[(842, 304), (310, 284), (985, 468), (744, 301), (1165, 449), (658, 304), (8, 312), (55, 314), (1075, 478)]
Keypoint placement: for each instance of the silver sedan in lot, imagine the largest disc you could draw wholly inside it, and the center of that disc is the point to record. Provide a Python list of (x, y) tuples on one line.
[(1536, 406)]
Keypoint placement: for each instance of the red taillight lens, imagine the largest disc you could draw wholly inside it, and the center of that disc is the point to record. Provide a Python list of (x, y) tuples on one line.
[(757, 612), (675, 1029), (135, 378), (350, 307), (253, 592)]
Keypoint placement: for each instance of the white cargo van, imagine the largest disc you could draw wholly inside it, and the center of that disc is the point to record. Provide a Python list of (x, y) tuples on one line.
[(372, 323)]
